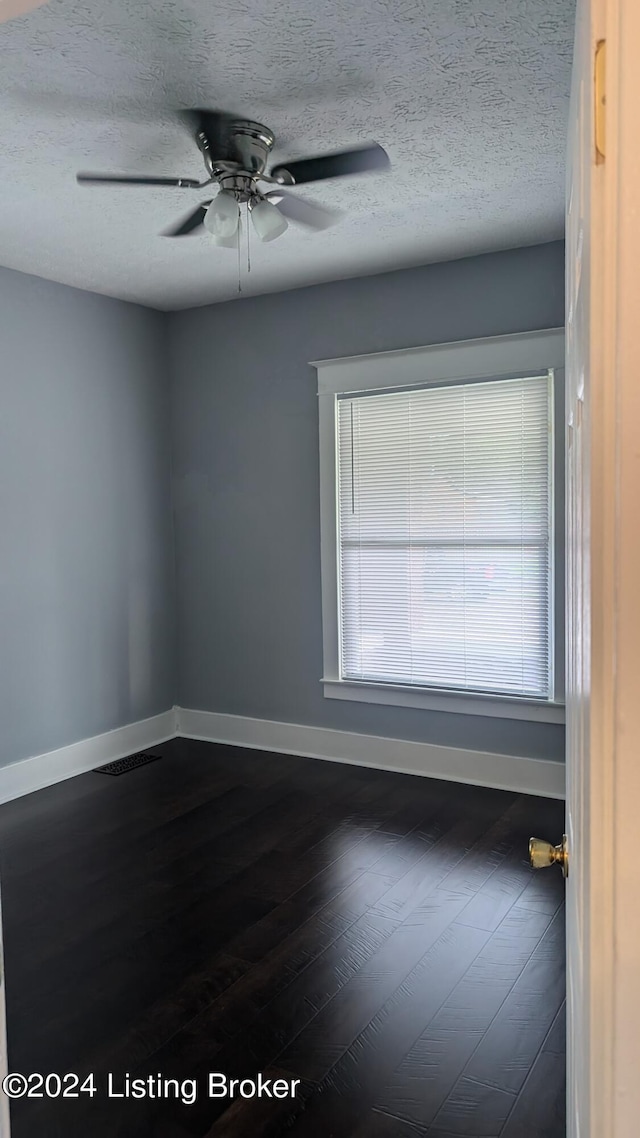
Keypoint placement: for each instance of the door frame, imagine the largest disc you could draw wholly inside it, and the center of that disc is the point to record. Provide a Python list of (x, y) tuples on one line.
[(603, 596)]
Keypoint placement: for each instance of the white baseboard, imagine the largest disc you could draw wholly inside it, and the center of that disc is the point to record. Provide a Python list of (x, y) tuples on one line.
[(43, 770), (506, 772)]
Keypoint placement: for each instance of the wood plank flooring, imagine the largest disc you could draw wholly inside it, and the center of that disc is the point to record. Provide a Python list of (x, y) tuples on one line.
[(378, 937)]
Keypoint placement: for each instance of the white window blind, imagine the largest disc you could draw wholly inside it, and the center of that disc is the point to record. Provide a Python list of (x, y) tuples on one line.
[(444, 536)]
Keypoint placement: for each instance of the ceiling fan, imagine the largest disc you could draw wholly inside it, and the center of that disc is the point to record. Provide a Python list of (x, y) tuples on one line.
[(235, 153)]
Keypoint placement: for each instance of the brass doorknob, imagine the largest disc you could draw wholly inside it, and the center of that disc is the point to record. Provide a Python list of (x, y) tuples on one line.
[(542, 854)]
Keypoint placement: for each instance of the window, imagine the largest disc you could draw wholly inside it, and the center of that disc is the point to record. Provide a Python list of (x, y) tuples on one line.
[(438, 526)]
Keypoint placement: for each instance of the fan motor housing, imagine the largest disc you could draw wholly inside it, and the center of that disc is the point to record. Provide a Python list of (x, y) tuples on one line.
[(248, 146), (252, 143)]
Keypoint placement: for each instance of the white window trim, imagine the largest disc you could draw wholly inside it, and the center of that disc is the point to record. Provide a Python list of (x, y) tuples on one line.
[(496, 357)]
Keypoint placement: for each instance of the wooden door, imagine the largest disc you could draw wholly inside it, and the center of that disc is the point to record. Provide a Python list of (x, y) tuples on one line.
[(603, 579)]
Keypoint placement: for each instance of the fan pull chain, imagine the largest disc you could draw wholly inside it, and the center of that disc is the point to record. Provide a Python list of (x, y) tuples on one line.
[(248, 248), (239, 261)]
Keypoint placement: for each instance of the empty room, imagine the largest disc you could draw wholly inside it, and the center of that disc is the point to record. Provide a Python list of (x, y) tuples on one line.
[(314, 602)]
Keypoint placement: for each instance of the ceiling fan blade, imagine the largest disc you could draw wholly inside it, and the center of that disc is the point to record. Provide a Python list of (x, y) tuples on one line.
[(362, 160), (125, 180), (215, 124), (190, 223), (303, 211)]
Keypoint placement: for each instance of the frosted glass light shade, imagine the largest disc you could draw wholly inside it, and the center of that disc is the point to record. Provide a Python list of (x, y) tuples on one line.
[(268, 222), (228, 242), (222, 216)]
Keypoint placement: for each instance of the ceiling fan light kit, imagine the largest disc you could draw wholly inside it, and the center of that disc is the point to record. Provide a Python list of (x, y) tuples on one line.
[(222, 217)]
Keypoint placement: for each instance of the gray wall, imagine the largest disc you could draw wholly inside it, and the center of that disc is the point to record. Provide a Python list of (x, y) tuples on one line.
[(86, 559), (87, 620), (246, 486)]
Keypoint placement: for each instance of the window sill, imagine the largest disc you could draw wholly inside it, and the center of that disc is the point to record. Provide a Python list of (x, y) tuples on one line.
[(458, 703)]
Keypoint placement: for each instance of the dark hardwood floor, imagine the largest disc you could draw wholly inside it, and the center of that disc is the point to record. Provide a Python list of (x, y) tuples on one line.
[(378, 937)]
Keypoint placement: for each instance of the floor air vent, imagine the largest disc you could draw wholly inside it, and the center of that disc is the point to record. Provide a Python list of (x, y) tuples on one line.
[(121, 766)]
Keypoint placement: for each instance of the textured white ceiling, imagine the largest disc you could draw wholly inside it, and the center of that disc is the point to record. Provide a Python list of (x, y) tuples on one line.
[(469, 97)]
